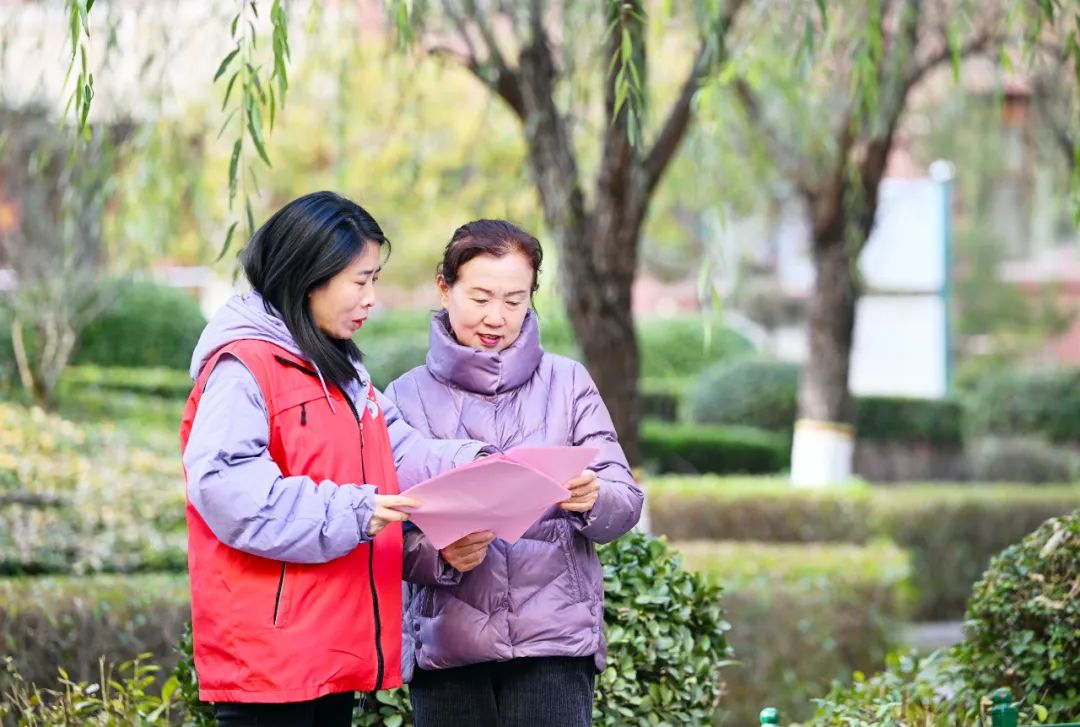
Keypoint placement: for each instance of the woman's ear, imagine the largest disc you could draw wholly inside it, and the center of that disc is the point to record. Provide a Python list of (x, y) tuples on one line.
[(444, 290)]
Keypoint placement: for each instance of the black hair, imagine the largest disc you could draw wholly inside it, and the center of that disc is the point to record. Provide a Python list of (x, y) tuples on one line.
[(305, 243)]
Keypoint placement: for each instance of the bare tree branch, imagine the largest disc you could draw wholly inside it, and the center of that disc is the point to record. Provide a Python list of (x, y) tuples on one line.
[(491, 70)]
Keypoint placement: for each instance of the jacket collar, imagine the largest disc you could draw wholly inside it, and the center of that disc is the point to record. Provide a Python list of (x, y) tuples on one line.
[(483, 372)]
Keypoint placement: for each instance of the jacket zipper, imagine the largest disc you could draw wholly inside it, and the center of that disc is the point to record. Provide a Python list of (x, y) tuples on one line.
[(280, 587), (371, 555), (371, 547)]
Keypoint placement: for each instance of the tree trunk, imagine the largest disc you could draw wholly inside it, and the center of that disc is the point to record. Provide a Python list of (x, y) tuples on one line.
[(598, 269), (823, 448), (823, 393)]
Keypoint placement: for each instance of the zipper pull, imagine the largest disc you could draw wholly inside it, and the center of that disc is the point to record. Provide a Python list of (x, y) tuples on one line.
[(303, 415)]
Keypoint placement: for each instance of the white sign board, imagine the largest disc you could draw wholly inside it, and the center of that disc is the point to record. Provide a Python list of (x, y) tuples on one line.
[(900, 347)]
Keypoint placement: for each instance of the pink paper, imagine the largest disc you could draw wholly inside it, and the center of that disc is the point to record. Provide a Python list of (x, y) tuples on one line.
[(503, 493)]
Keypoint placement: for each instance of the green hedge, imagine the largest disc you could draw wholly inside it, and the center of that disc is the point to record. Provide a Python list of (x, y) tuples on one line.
[(71, 622), (763, 393), (689, 448), (952, 531), (802, 616), (892, 419), (162, 382), (146, 325), (1042, 402)]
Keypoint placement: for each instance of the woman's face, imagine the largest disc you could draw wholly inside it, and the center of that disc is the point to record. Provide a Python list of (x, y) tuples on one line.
[(488, 302), (341, 305)]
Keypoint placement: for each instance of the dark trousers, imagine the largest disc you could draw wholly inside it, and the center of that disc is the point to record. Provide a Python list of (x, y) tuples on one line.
[(333, 710), (536, 692)]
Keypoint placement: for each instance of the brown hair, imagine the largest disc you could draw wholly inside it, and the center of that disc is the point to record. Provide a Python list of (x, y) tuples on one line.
[(489, 237)]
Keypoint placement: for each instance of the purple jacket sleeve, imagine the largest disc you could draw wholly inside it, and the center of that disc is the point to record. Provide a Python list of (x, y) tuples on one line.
[(424, 565), (418, 458), (618, 506), (241, 493)]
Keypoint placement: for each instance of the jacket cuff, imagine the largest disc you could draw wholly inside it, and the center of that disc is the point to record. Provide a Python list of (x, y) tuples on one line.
[(364, 510)]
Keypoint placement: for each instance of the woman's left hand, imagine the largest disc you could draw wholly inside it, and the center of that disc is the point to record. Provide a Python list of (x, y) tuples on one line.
[(584, 489)]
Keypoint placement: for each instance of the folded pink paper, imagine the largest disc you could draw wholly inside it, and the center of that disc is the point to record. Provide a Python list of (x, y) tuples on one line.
[(504, 493)]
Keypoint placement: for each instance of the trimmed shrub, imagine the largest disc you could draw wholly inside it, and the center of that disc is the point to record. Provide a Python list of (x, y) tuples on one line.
[(891, 419), (46, 623), (802, 616), (762, 509), (1043, 402), (951, 531), (1023, 621), (747, 392), (147, 325), (688, 448)]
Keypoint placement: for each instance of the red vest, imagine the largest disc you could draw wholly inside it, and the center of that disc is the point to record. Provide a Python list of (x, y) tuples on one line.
[(269, 631)]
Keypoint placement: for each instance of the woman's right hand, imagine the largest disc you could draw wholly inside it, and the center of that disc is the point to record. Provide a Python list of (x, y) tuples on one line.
[(386, 511), (468, 552)]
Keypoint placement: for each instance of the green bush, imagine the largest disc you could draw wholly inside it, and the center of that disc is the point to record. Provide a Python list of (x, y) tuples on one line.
[(161, 382), (666, 643), (747, 392), (1023, 621), (892, 419), (683, 346), (689, 448), (1043, 402), (46, 623), (802, 616), (952, 531), (146, 325)]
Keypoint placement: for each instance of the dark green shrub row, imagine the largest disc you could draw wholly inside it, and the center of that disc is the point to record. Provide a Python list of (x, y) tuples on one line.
[(695, 448), (762, 393), (951, 531)]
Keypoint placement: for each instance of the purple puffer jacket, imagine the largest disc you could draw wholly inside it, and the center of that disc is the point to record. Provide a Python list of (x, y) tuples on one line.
[(543, 595)]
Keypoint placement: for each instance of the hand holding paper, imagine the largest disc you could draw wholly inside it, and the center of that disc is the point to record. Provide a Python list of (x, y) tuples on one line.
[(504, 493), (584, 491)]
